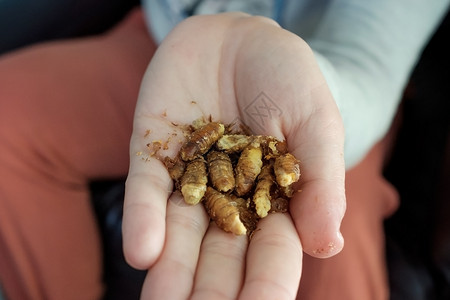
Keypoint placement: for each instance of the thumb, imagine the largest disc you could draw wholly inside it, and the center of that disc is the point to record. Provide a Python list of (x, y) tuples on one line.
[(318, 209)]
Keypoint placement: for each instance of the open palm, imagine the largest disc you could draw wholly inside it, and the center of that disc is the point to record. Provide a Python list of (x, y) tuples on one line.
[(247, 70)]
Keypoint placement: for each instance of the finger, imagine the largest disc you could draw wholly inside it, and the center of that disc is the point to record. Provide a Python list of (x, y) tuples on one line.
[(172, 276), (221, 265), (274, 260), (148, 187), (144, 215), (318, 209)]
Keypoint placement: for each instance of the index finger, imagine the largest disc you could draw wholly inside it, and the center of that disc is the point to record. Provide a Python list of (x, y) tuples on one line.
[(143, 220), (148, 187)]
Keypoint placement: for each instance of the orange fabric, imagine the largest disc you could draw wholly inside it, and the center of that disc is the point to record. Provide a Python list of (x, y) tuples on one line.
[(66, 112), (66, 117)]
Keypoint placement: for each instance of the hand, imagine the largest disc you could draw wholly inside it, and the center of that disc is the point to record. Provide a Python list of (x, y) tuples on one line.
[(233, 67)]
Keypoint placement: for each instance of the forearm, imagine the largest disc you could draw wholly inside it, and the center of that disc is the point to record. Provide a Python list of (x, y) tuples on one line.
[(366, 50)]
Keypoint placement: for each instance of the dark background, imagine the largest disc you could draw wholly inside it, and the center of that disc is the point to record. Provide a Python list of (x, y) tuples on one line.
[(417, 236)]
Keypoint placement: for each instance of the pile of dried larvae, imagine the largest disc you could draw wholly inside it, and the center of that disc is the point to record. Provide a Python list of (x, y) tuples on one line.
[(239, 177)]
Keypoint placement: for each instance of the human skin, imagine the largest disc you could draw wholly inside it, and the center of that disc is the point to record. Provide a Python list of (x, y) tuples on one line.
[(218, 65)]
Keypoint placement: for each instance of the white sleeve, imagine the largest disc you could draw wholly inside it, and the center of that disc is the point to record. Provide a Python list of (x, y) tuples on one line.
[(161, 17), (367, 50)]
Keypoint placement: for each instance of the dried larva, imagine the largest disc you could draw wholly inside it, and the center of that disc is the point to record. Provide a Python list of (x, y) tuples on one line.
[(279, 205), (224, 211), (193, 182), (248, 168), (287, 191), (175, 167), (220, 171), (261, 196), (287, 169), (199, 123), (230, 143), (246, 213), (272, 147), (201, 140)]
